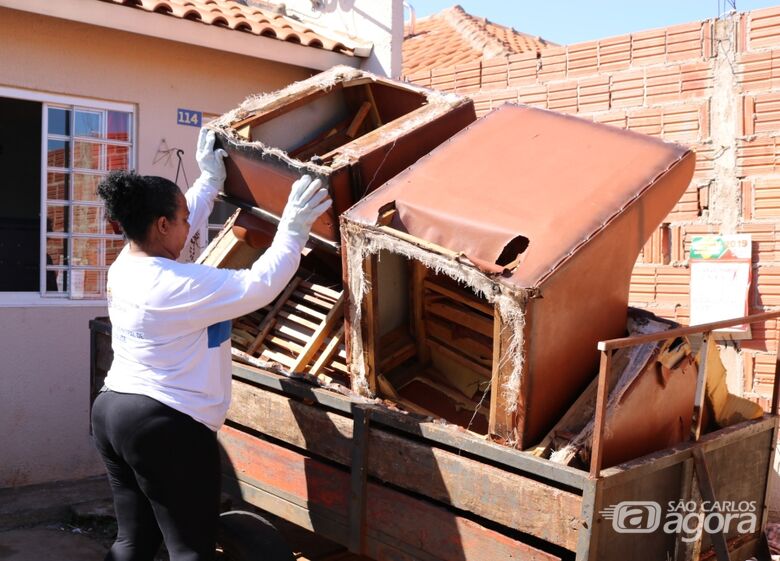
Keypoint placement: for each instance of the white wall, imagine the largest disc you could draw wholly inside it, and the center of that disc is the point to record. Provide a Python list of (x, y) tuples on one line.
[(380, 21), (44, 395)]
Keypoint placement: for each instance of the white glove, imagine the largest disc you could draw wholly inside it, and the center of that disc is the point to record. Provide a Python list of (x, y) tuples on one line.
[(212, 168), (307, 201)]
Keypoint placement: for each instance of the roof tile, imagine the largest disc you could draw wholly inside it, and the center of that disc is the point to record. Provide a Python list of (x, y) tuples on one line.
[(248, 19), (453, 37)]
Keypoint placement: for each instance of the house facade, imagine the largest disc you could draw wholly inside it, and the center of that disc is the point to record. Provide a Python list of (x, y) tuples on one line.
[(91, 86)]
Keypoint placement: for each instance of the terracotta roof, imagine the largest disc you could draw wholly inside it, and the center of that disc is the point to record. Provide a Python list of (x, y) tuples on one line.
[(249, 19), (454, 36)]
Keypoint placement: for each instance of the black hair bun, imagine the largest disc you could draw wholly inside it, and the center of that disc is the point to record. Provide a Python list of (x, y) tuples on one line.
[(135, 201), (122, 191)]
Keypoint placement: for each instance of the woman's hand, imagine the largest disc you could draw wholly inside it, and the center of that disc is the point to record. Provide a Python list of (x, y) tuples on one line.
[(212, 168), (307, 201)]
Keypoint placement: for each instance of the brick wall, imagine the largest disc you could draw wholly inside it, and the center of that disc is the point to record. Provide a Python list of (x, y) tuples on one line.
[(713, 85)]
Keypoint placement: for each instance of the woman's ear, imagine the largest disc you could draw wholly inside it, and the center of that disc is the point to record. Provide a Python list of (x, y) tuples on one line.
[(162, 225)]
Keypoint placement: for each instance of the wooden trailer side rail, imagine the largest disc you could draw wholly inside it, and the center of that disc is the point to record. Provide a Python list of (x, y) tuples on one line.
[(691, 456), (605, 371)]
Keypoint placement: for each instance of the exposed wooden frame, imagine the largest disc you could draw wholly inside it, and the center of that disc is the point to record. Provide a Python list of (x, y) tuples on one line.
[(501, 423)]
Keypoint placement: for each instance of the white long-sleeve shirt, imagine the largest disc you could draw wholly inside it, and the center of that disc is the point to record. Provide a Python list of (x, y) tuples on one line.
[(171, 321)]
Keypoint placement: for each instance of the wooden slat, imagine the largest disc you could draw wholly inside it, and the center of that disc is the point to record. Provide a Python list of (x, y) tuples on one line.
[(284, 343), (329, 293), (484, 371), (473, 302), (303, 309), (307, 147), (318, 337), (326, 146), (435, 434), (300, 320), (360, 116), (448, 311), (453, 394), (374, 109), (310, 298), (268, 322), (501, 422), (293, 331), (475, 349), (397, 357), (369, 321), (339, 366), (485, 490), (419, 273), (274, 356), (327, 353), (223, 244)]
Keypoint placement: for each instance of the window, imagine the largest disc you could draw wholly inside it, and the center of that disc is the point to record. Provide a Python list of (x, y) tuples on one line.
[(65, 242)]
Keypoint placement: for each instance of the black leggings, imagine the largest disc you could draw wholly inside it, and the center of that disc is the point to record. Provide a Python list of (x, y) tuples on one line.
[(163, 467)]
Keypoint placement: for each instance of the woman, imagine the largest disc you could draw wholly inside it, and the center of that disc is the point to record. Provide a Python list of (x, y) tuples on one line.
[(168, 389)]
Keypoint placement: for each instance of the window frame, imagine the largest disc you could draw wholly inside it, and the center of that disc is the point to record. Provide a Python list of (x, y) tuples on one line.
[(72, 103)]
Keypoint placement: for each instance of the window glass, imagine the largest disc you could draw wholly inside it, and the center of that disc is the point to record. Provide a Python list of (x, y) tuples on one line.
[(88, 284), (57, 186), (58, 154), (67, 251), (118, 126), (88, 124), (59, 121), (57, 218), (57, 251), (88, 220), (118, 157), (113, 247), (87, 251), (86, 155), (85, 187), (56, 281)]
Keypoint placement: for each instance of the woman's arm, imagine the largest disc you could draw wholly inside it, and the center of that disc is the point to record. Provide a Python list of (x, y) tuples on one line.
[(200, 197), (220, 294)]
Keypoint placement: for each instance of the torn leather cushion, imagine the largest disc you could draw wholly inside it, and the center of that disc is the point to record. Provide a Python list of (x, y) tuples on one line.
[(491, 247)]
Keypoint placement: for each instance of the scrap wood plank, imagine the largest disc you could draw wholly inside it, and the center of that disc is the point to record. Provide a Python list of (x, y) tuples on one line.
[(270, 318), (501, 422), (360, 116), (481, 369), (311, 298), (370, 322), (419, 272), (330, 349), (457, 397), (374, 109), (303, 309), (312, 144), (318, 337), (488, 491), (398, 526), (323, 290), (447, 333), (473, 302), (297, 319), (224, 242), (293, 331), (457, 314)]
